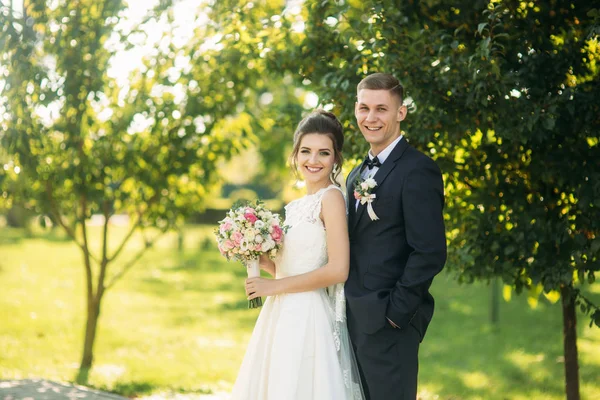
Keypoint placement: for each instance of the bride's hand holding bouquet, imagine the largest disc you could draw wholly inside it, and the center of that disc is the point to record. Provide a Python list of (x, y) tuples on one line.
[(248, 232), (257, 287)]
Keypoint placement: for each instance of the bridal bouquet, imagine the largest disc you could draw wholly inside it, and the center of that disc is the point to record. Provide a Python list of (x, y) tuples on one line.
[(249, 230)]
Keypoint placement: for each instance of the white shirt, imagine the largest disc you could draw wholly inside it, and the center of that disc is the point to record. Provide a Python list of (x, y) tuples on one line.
[(369, 173)]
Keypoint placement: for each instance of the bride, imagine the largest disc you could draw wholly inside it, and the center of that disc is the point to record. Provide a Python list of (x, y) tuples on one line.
[(300, 349)]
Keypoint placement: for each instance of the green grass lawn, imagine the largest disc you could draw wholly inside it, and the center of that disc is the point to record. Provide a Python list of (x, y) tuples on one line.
[(178, 323)]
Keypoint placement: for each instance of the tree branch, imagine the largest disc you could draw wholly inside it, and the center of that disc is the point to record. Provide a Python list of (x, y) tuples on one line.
[(587, 301), (127, 237), (86, 252), (469, 184), (58, 217), (135, 258), (106, 212), (104, 264), (132, 230)]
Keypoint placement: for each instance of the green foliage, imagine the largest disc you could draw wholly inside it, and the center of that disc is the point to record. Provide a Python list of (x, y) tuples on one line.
[(148, 148), (502, 95), (251, 33), (79, 141)]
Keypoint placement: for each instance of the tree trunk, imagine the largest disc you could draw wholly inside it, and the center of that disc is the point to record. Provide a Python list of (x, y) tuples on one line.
[(570, 345), (180, 240), (495, 302), (93, 313)]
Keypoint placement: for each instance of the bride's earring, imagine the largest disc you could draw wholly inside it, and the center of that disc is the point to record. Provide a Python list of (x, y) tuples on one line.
[(334, 171)]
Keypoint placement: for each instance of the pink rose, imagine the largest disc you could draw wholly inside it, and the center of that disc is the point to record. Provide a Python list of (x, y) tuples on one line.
[(250, 217), (228, 245), (225, 227), (277, 234), (250, 210), (257, 247), (237, 238), (356, 195)]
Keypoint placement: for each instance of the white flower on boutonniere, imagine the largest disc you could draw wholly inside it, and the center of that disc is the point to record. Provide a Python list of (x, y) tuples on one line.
[(363, 192)]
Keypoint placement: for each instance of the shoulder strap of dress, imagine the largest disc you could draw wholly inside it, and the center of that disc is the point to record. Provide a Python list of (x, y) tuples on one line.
[(334, 187), (319, 201)]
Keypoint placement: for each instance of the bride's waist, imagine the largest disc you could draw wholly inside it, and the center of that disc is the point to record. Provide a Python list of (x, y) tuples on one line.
[(319, 295), (293, 270), (288, 274)]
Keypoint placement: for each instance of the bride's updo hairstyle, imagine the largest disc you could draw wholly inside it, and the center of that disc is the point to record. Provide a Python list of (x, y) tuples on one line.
[(324, 123)]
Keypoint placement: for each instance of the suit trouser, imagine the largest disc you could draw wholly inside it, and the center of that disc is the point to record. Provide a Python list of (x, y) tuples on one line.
[(388, 361)]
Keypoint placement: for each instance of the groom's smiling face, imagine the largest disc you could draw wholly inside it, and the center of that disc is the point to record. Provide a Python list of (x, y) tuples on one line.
[(378, 114)]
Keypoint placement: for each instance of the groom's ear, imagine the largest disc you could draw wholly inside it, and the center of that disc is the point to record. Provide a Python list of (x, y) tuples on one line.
[(402, 111)]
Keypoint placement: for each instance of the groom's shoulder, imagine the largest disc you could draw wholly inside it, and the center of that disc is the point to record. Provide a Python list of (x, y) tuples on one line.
[(356, 167), (419, 158), (418, 154), (352, 171)]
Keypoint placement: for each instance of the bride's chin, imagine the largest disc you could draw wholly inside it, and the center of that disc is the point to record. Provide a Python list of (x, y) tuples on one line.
[(312, 178)]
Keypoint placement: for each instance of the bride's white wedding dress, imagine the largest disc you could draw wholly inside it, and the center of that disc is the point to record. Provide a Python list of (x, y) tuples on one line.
[(300, 349)]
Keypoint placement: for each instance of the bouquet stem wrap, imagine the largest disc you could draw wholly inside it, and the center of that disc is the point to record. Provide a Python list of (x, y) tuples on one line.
[(247, 232), (253, 269)]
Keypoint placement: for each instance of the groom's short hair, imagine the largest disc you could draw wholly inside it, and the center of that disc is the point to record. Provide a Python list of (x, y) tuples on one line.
[(382, 81)]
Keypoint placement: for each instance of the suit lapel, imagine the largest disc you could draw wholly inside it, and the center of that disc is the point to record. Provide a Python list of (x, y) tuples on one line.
[(350, 201), (390, 163), (380, 176), (359, 213)]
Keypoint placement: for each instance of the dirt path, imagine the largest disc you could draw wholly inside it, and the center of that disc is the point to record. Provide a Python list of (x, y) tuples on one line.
[(38, 389)]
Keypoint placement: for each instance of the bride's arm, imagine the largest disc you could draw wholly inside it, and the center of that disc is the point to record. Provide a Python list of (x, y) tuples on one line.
[(266, 264), (333, 214)]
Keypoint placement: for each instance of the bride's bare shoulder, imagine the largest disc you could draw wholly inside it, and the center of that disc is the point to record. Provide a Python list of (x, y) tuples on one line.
[(333, 200)]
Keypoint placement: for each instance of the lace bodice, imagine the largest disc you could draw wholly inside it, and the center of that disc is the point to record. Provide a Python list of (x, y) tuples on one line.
[(305, 244), (304, 250)]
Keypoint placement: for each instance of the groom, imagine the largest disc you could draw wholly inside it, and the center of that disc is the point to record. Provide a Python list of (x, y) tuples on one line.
[(397, 245)]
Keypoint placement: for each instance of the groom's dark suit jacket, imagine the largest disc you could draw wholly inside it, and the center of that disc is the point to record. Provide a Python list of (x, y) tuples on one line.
[(394, 259)]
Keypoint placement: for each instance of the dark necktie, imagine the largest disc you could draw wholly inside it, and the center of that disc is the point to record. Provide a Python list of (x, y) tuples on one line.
[(370, 164)]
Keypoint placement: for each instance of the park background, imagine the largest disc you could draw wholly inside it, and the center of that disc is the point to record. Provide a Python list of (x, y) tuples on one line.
[(127, 129)]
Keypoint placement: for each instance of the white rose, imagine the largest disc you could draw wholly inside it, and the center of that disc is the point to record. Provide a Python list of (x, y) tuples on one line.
[(259, 224), (370, 183), (250, 235), (267, 245), (258, 239)]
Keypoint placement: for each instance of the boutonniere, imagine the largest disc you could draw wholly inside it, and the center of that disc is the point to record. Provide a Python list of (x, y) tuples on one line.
[(363, 192)]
